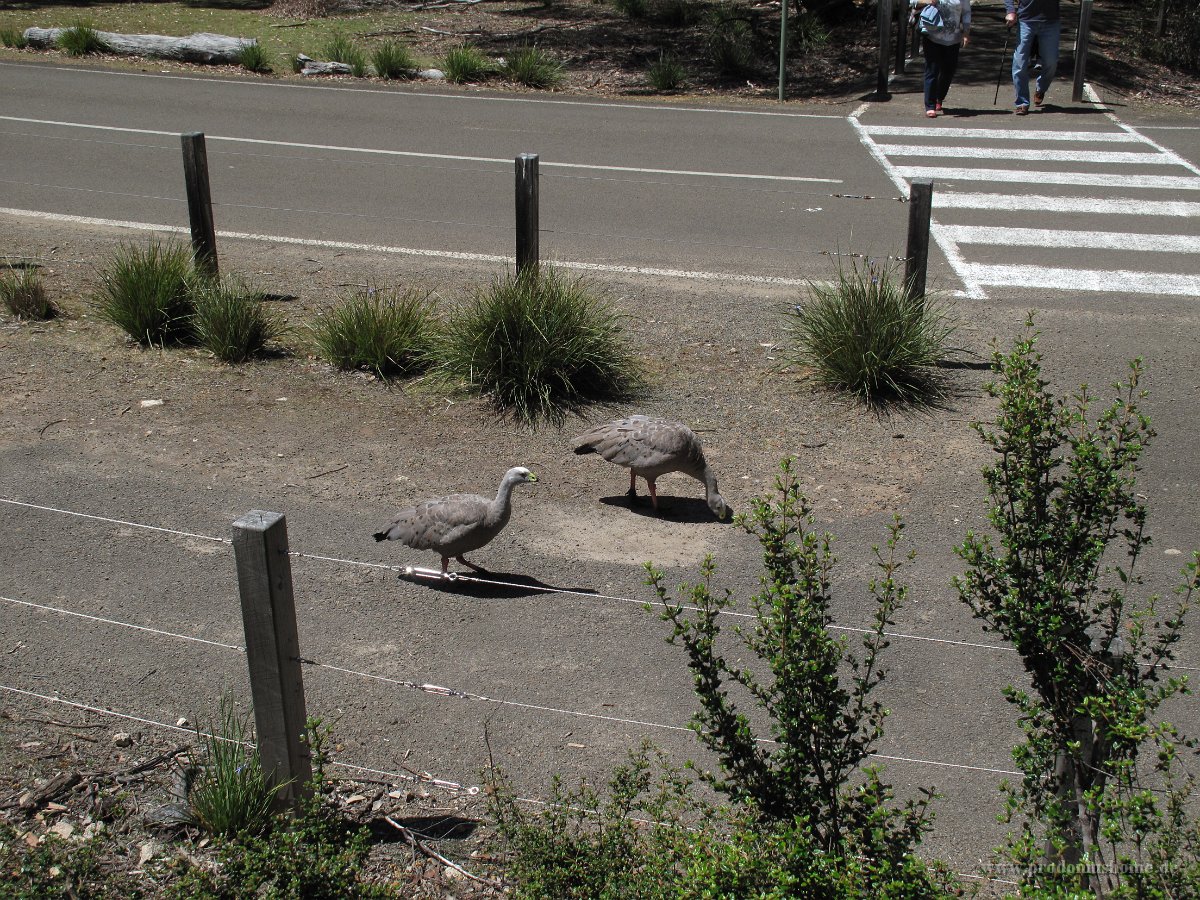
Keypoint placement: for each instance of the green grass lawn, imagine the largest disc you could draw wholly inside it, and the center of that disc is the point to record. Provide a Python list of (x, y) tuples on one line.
[(177, 19)]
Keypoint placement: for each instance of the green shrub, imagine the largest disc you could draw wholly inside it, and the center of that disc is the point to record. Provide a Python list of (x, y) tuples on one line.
[(392, 60), (147, 292), (465, 64), (81, 39), (806, 32), (866, 335), (729, 42), (58, 868), (666, 74), (230, 793), (539, 344), (634, 9), (342, 49), (387, 332), (1179, 45), (14, 38), (533, 68), (231, 320), (254, 58), (24, 295)]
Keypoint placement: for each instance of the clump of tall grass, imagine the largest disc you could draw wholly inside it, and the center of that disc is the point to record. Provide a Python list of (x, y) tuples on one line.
[(342, 49), (666, 73), (540, 344), (147, 293), (464, 64), (24, 295), (533, 67), (231, 320), (254, 58), (388, 332), (729, 42), (81, 39), (230, 794), (807, 33), (865, 334), (392, 60), (13, 38)]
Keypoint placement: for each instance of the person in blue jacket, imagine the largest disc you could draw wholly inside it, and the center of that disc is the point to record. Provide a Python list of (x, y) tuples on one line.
[(945, 27), (1038, 22)]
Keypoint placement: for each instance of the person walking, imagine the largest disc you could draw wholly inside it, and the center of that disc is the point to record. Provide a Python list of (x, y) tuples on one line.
[(1038, 23), (945, 27)]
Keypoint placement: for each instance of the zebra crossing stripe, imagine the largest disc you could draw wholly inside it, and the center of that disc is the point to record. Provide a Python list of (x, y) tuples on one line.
[(1123, 206), (1161, 182), (1083, 279), (1004, 134), (1093, 240), (1093, 156)]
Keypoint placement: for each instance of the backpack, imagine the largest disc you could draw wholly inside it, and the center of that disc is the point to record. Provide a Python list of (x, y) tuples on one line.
[(931, 21)]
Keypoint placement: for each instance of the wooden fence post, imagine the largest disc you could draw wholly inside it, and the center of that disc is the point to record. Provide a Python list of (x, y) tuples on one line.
[(901, 40), (273, 651), (195, 174), (885, 49), (527, 211), (916, 256), (1082, 38)]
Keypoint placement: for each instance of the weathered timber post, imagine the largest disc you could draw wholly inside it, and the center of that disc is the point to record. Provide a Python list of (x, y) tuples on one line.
[(527, 211), (783, 34), (901, 40), (1081, 50), (885, 49), (195, 174), (916, 255), (273, 652)]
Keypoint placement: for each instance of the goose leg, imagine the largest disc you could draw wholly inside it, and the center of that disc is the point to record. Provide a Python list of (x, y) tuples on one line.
[(632, 492), (445, 564), (470, 565), (653, 493)]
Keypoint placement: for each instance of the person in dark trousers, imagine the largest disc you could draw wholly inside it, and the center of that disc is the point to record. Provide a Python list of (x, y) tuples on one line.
[(1039, 24), (945, 27)]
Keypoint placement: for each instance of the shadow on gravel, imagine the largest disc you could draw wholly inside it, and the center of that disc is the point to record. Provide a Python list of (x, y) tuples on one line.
[(428, 828), (670, 509), (489, 585)]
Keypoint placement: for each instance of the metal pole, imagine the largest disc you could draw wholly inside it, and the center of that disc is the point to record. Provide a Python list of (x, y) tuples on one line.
[(783, 33), (195, 174), (1081, 50), (885, 36), (527, 211), (264, 573), (916, 262)]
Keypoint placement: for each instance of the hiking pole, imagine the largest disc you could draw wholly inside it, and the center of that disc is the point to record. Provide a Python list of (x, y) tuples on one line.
[(1000, 74)]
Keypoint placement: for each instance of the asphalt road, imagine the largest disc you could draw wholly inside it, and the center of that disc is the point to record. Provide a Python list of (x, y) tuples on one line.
[(620, 191)]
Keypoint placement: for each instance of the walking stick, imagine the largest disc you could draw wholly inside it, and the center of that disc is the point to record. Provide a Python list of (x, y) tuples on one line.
[(1000, 74)]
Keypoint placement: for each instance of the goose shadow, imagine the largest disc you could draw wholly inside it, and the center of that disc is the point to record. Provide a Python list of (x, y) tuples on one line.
[(690, 510), (430, 828), (491, 585)]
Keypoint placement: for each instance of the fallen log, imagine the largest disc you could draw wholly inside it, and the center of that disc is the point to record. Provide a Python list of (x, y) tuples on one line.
[(213, 49)]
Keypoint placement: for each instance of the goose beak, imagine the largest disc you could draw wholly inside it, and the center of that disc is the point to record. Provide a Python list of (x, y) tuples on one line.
[(531, 478)]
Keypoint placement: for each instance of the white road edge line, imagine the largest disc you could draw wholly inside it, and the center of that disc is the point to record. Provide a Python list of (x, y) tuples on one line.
[(545, 164), (1093, 97), (414, 251)]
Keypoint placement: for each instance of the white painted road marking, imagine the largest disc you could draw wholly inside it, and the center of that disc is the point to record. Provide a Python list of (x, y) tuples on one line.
[(1052, 237), (1178, 251), (1125, 206), (413, 251), (211, 138), (1021, 176)]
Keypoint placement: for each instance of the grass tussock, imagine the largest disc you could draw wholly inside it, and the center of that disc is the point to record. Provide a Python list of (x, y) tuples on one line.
[(465, 64), (254, 58), (24, 295), (387, 332), (393, 61), (13, 38), (81, 39), (533, 67), (539, 345), (864, 334), (342, 49), (147, 293), (230, 794), (666, 73), (232, 321)]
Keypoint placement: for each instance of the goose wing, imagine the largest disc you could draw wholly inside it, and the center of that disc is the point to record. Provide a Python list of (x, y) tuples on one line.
[(444, 524), (641, 442)]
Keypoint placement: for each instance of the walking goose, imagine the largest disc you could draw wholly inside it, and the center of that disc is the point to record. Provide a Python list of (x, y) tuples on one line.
[(651, 447), (458, 523)]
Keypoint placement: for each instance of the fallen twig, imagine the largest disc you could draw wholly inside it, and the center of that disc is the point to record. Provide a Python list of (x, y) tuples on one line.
[(442, 4), (48, 424), (413, 841), (327, 472), (291, 24)]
